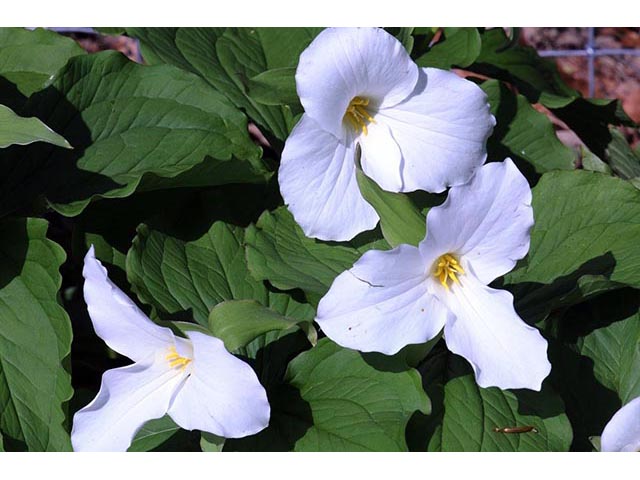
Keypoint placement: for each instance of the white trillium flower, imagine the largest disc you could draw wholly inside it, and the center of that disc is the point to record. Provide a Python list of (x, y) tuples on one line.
[(407, 295), (418, 129), (196, 381), (622, 433)]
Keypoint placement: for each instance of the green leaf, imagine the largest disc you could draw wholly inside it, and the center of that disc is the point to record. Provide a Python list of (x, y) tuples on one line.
[(274, 87), (210, 442), (534, 76), (125, 121), (16, 130), (622, 159), (460, 47), (29, 58), (591, 162), (35, 337), (189, 278), (229, 58), (466, 415), (322, 409), (237, 323), (523, 133), (615, 352), (153, 434), (583, 219), (366, 410), (278, 251), (400, 219), (282, 46)]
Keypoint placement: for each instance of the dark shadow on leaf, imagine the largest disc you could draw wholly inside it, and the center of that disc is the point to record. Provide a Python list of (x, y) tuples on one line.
[(291, 415), (10, 96), (43, 170), (13, 249), (534, 301), (591, 122), (589, 404), (497, 151)]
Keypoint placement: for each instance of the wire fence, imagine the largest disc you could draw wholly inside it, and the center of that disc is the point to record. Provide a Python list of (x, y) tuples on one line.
[(591, 51)]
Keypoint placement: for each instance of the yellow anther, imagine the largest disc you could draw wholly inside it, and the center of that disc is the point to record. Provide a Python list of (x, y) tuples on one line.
[(358, 115), (175, 360), (448, 268)]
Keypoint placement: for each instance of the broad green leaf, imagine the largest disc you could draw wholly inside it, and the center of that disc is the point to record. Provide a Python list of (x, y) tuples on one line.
[(16, 130), (278, 251), (190, 277), (239, 322), (1, 443), (583, 219), (229, 58), (615, 352), (242, 57), (282, 46), (337, 399), (534, 76), (29, 58), (35, 337), (366, 410), (460, 48), (596, 359), (466, 415), (523, 133), (153, 434), (274, 87), (622, 159), (210, 442), (125, 121), (400, 219), (590, 161)]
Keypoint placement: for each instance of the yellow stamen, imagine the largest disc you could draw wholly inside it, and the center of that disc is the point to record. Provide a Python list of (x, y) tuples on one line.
[(175, 360), (448, 268), (358, 116)]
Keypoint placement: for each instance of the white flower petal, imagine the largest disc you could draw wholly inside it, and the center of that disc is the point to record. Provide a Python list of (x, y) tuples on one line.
[(342, 63), (381, 304), (622, 433), (442, 129), (487, 221), (317, 179), (128, 397), (504, 351), (222, 394), (381, 158), (116, 319)]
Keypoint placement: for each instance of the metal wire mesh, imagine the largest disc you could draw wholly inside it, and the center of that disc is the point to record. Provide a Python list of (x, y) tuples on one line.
[(591, 51)]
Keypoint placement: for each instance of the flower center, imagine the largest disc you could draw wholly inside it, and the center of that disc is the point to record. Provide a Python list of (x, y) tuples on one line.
[(358, 115), (447, 268), (177, 361)]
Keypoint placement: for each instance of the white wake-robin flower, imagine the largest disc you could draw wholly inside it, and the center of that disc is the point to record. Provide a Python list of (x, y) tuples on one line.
[(407, 295), (418, 129), (622, 433), (196, 381)]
